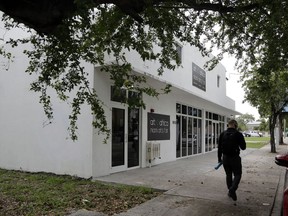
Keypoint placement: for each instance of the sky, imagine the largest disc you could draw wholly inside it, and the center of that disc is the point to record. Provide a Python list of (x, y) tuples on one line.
[(234, 88)]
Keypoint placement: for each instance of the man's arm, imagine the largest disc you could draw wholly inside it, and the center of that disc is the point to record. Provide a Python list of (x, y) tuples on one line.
[(242, 143)]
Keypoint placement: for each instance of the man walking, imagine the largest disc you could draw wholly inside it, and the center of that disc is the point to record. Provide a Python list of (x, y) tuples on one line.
[(230, 143)]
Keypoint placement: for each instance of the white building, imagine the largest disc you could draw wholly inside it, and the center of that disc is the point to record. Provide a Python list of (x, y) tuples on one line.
[(181, 124), (251, 125)]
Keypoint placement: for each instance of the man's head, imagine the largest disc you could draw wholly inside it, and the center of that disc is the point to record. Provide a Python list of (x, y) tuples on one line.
[(232, 124)]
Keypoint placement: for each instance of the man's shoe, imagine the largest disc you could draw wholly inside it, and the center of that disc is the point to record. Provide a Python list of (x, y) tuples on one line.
[(233, 195)]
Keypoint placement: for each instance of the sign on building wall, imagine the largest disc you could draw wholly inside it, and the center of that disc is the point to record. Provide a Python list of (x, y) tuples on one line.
[(158, 127), (198, 77)]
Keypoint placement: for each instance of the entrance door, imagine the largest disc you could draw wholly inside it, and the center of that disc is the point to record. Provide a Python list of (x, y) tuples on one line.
[(118, 137), (125, 138), (133, 137)]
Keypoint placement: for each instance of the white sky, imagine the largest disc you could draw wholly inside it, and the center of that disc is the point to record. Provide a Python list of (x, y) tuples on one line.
[(234, 89)]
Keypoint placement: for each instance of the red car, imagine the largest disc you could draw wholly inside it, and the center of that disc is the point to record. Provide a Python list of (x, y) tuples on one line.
[(282, 160)]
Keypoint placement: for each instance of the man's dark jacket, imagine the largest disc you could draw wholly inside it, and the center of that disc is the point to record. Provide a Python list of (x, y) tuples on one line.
[(230, 143)]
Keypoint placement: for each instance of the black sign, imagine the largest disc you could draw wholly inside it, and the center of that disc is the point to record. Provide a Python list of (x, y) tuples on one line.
[(158, 127), (198, 77)]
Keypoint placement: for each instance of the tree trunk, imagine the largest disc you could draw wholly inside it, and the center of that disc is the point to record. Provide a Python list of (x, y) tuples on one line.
[(281, 140), (272, 123)]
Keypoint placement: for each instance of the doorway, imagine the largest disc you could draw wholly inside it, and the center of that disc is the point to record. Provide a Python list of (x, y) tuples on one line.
[(125, 151), (213, 131)]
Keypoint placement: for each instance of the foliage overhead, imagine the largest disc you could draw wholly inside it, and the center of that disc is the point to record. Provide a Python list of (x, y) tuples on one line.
[(89, 30)]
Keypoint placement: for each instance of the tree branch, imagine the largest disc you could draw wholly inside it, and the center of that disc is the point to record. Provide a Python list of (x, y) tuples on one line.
[(45, 15)]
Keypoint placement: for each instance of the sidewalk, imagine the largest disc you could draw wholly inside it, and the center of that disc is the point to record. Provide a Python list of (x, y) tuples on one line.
[(193, 187)]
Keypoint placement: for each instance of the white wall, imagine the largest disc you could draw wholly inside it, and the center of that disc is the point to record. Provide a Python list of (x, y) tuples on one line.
[(102, 151), (181, 77), (27, 142)]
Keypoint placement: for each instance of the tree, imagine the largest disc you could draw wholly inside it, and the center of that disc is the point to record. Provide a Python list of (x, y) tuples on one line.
[(267, 92), (241, 124), (243, 120), (281, 128), (264, 126), (68, 32), (246, 118)]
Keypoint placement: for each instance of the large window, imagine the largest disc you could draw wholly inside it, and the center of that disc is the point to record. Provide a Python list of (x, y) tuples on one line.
[(188, 130), (214, 125)]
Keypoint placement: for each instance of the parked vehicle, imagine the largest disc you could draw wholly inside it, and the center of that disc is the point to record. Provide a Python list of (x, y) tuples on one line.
[(252, 134), (246, 134), (282, 160)]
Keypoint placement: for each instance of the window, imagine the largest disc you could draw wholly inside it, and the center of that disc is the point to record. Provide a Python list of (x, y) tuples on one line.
[(178, 108), (190, 110), (195, 112), (199, 113), (188, 130), (218, 81), (118, 94), (184, 109), (179, 52)]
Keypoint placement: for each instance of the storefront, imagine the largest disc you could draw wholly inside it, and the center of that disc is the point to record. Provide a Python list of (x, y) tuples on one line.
[(179, 123)]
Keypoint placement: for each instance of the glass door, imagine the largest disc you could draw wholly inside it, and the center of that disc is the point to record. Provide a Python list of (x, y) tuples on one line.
[(178, 136), (125, 146), (216, 134), (184, 136), (133, 137), (118, 137)]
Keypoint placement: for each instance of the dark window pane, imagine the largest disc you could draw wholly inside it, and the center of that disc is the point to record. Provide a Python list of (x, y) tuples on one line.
[(133, 137), (194, 112), (118, 127), (178, 108), (184, 136), (134, 99), (184, 109), (118, 94), (190, 110), (178, 135)]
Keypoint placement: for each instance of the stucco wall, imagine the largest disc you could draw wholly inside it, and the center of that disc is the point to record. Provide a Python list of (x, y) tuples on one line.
[(27, 141), (182, 76)]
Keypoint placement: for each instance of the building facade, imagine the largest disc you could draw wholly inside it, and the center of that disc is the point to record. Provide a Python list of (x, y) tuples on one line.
[(183, 123)]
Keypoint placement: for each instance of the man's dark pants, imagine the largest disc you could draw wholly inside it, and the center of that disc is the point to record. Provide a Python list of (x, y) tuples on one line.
[(232, 166)]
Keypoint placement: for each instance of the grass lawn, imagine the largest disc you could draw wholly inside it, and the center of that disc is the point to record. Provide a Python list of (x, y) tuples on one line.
[(256, 142), (23, 193)]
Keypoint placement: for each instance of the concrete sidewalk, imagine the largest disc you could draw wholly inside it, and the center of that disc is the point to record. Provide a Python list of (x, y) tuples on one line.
[(193, 187)]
